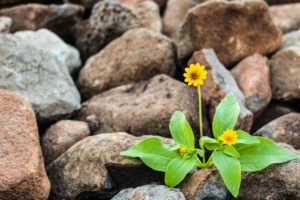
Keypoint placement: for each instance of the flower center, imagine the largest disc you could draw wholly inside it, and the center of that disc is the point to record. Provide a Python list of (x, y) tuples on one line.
[(229, 136), (194, 75)]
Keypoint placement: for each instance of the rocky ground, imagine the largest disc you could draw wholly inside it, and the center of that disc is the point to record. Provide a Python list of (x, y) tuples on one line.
[(83, 80)]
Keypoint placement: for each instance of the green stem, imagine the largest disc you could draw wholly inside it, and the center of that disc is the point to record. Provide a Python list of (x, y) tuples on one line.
[(199, 163), (200, 111)]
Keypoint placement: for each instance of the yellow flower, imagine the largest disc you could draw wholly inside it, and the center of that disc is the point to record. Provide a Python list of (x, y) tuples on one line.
[(182, 150), (195, 74), (229, 136)]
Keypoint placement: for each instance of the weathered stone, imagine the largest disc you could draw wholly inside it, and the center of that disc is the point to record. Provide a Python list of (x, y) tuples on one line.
[(153, 192), (228, 31), (291, 39), (218, 84), (139, 54), (47, 40), (286, 17), (86, 166), (58, 18), (38, 75), (22, 172), (283, 129), (253, 78), (61, 136), (204, 184), (285, 74), (5, 24)]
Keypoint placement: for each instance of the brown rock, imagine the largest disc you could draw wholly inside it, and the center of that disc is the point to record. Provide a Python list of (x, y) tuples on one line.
[(22, 172), (139, 54), (253, 77), (218, 84), (286, 17), (285, 74), (234, 30), (5, 24), (61, 136)]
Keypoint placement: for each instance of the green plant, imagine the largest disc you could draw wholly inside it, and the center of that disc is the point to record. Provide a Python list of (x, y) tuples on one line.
[(232, 151)]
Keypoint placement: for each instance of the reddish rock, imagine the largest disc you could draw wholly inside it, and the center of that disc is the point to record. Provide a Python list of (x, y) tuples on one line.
[(234, 30), (253, 77), (61, 136), (5, 24), (22, 172)]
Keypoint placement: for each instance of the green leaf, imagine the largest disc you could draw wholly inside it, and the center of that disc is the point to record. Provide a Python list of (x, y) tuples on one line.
[(181, 131), (226, 115), (231, 151), (210, 143), (246, 138), (230, 170), (257, 157), (177, 169), (152, 152)]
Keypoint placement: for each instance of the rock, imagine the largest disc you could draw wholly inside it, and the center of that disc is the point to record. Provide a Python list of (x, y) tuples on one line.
[(110, 19), (228, 31), (58, 18), (285, 74), (88, 4), (253, 78), (218, 84), (93, 164), (153, 192), (5, 24), (49, 41), (61, 136), (38, 75), (139, 54), (283, 129), (286, 17), (174, 15), (291, 39), (22, 172), (204, 184)]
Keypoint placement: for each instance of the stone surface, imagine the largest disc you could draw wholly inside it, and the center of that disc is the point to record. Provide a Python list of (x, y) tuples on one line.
[(5, 24), (93, 164), (58, 18), (252, 75), (285, 74), (283, 129), (22, 172), (291, 39), (204, 184), (228, 31), (38, 75), (61, 136), (218, 84), (286, 17), (153, 192), (139, 54), (49, 41)]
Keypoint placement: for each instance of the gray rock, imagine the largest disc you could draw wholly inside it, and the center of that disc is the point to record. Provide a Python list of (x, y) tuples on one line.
[(5, 24), (291, 39)]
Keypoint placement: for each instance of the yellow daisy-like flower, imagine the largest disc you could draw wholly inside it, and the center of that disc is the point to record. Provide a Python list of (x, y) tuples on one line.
[(195, 74), (229, 137), (182, 150)]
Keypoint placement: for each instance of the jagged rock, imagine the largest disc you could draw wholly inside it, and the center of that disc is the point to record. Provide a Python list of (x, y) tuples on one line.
[(291, 39), (5, 24), (22, 172), (138, 55)]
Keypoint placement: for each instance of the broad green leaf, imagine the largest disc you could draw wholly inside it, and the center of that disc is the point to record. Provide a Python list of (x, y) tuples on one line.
[(231, 151), (210, 143), (246, 138), (177, 169), (257, 157), (226, 115), (152, 152), (181, 130), (230, 170)]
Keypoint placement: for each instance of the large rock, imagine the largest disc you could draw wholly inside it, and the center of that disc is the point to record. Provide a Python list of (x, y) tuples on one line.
[(87, 166), (22, 172), (291, 39), (286, 17), (5, 24), (139, 54), (218, 84), (253, 77), (38, 75), (147, 192), (61, 136), (234, 30), (285, 74)]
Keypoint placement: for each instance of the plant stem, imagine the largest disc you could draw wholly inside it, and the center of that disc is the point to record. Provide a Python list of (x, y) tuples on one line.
[(200, 111)]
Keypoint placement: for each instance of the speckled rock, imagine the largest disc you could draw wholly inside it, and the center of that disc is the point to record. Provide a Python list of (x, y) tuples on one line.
[(285, 74), (153, 192), (61, 136), (228, 31), (291, 39), (5, 24), (139, 54), (38, 75), (218, 84), (253, 78), (22, 172)]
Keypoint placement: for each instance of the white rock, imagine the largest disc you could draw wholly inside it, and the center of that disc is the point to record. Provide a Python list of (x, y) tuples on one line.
[(5, 24)]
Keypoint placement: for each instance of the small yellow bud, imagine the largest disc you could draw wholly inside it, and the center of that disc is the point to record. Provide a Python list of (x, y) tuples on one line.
[(182, 150)]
